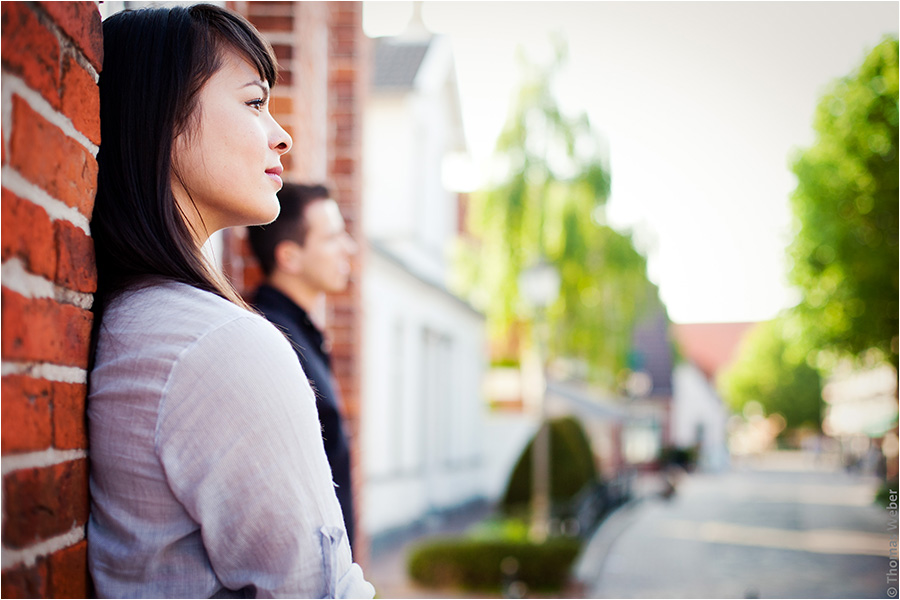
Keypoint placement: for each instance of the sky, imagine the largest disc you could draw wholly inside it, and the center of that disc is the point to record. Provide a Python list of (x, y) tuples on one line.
[(703, 106)]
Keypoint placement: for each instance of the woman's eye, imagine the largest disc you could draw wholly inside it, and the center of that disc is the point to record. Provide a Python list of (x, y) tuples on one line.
[(257, 103)]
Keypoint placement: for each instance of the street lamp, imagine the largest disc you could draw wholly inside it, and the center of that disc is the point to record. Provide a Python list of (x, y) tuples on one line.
[(539, 286)]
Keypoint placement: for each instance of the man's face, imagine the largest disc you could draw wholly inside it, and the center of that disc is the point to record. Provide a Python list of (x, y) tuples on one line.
[(325, 256)]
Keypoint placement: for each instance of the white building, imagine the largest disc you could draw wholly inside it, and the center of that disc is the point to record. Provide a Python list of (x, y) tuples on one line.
[(424, 349), (699, 417)]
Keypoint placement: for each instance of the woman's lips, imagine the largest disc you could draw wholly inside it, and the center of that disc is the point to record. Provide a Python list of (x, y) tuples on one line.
[(275, 175)]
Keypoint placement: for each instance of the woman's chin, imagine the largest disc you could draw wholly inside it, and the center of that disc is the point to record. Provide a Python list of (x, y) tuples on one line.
[(266, 215)]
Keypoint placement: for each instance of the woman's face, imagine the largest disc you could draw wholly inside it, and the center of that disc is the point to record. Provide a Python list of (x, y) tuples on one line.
[(229, 160)]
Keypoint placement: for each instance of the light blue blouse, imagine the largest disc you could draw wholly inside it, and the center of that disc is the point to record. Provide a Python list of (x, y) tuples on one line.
[(208, 473)]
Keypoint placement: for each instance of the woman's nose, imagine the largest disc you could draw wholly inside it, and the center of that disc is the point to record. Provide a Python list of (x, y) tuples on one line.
[(280, 141)]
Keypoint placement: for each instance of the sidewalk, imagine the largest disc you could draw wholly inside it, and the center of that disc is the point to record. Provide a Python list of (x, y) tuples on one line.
[(646, 488)]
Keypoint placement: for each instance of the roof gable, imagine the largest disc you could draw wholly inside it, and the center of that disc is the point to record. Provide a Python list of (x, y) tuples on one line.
[(397, 64), (711, 346)]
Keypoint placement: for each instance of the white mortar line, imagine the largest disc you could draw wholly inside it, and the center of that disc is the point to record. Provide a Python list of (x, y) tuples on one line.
[(36, 460), (28, 556), (15, 85), (16, 278), (58, 210), (48, 371)]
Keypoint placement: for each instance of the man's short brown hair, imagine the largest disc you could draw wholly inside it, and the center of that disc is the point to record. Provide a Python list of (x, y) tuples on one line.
[(290, 224)]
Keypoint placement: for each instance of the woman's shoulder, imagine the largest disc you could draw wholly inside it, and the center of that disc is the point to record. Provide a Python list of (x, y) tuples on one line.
[(167, 303), (175, 315)]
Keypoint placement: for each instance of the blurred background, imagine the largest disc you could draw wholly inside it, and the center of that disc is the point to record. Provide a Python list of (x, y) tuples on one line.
[(678, 223), (624, 321)]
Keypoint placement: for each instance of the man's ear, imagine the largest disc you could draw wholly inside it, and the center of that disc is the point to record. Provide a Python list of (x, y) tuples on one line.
[(289, 257)]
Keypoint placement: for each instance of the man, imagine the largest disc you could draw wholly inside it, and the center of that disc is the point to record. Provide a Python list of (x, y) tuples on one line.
[(305, 253)]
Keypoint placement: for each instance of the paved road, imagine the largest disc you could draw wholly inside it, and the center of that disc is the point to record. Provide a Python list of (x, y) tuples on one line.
[(783, 528)]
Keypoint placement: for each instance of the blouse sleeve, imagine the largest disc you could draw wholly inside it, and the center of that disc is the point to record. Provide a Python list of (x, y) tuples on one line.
[(238, 437)]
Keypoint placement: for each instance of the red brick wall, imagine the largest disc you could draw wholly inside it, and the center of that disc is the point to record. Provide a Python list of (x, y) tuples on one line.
[(323, 54), (348, 78), (51, 57)]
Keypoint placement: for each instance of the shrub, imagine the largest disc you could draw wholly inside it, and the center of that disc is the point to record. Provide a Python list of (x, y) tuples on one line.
[(476, 564), (883, 495), (571, 466)]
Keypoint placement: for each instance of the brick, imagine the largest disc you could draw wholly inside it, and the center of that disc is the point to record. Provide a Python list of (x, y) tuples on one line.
[(283, 51), (344, 32), (343, 75), (27, 582), (69, 426), (30, 50), (26, 409), (281, 105), (81, 100), (344, 13), (27, 234), (69, 572), (253, 276), (343, 47), (50, 159), (343, 166), (40, 329), (76, 268), (342, 90), (287, 161), (81, 22), (285, 77), (270, 23), (44, 502), (277, 9)]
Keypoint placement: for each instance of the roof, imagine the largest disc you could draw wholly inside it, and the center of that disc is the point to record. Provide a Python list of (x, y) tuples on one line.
[(396, 260), (397, 62), (710, 346)]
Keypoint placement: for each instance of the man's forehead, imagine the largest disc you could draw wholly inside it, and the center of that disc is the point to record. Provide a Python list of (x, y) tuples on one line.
[(329, 212), (331, 207)]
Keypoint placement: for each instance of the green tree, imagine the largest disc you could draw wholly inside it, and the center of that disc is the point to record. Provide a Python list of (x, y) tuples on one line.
[(845, 253), (550, 205), (772, 369)]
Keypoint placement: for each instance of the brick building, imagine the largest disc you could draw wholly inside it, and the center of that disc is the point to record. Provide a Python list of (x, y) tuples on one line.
[(52, 55)]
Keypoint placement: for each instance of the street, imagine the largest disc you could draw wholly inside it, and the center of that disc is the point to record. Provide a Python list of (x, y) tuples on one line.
[(784, 527)]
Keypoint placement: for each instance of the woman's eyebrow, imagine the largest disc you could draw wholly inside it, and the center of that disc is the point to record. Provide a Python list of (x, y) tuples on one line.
[(261, 85)]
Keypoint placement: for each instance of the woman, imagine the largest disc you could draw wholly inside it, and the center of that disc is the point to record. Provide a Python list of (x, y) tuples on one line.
[(208, 478)]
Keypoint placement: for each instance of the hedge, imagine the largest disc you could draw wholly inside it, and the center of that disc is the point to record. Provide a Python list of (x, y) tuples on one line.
[(476, 564)]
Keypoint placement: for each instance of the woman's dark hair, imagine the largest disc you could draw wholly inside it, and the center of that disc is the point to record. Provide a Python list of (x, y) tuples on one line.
[(155, 63), (291, 223)]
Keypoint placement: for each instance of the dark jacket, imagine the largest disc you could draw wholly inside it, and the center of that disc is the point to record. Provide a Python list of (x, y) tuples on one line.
[(308, 342)]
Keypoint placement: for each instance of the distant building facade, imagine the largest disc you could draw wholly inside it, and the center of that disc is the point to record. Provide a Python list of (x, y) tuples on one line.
[(424, 349), (699, 415)]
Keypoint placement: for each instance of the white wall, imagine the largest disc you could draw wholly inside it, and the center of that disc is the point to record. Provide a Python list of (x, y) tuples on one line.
[(423, 433), (698, 416), (407, 136)]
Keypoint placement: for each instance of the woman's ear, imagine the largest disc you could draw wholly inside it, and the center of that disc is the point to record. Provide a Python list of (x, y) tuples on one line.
[(289, 257)]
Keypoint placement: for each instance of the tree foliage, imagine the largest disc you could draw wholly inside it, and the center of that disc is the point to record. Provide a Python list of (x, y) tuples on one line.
[(772, 369), (550, 205), (845, 252)]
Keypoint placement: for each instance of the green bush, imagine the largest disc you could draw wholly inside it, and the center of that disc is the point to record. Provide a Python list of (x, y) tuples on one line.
[(475, 564), (571, 466), (883, 495)]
